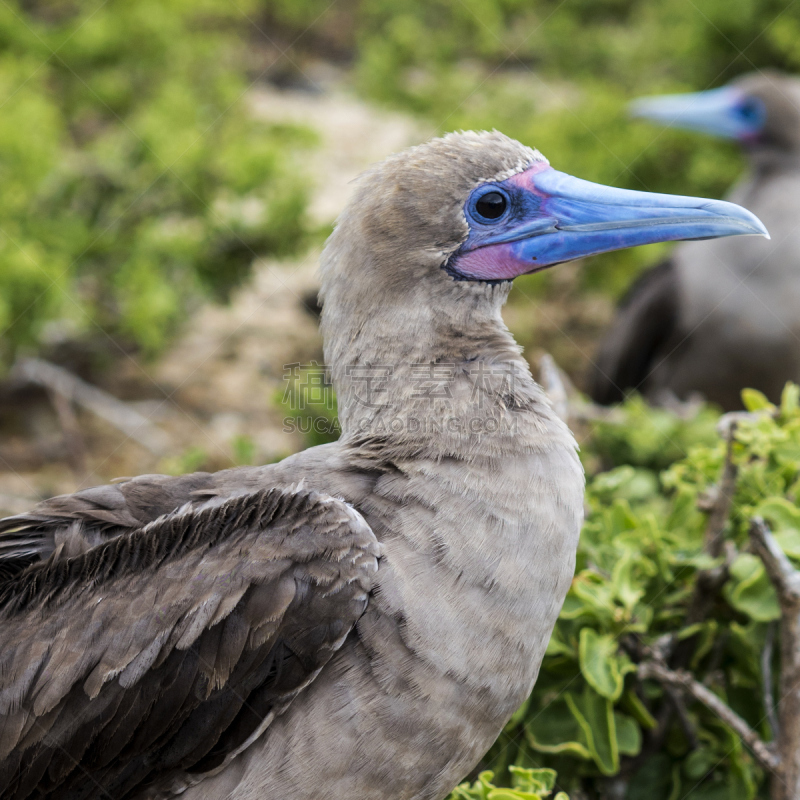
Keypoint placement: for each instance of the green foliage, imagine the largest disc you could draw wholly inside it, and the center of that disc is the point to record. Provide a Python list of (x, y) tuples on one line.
[(526, 784), (641, 550), (309, 404), (134, 177), (646, 437)]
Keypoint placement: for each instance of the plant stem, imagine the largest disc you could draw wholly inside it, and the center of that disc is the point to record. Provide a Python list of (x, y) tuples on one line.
[(786, 580), (680, 679)]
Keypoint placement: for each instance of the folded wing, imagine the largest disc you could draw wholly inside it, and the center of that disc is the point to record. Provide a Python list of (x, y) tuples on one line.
[(173, 645)]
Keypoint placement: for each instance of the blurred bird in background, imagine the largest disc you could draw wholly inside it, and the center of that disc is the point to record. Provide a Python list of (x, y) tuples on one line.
[(719, 316)]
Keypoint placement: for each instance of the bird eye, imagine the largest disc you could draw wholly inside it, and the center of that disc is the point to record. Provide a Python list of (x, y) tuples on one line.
[(492, 205), (751, 110), (748, 111)]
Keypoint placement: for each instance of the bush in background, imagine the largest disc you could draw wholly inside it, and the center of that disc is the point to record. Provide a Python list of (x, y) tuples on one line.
[(133, 177)]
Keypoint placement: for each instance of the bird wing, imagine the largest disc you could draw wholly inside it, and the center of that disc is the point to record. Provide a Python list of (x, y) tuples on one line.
[(173, 646), (646, 320), (76, 522)]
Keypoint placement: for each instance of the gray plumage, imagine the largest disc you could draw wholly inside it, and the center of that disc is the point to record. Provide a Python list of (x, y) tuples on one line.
[(358, 620), (724, 314)]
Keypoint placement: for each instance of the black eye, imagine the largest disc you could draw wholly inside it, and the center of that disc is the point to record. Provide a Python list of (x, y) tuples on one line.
[(492, 205), (751, 110)]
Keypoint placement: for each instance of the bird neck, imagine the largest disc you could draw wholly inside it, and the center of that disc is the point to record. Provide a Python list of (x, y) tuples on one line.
[(766, 160), (430, 370)]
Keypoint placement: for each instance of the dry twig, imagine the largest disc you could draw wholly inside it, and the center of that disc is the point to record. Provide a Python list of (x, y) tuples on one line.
[(721, 509), (683, 681), (59, 381), (554, 382), (766, 679)]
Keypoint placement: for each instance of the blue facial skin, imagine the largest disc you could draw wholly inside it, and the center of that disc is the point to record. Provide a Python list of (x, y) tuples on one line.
[(551, 217), (727, 112)]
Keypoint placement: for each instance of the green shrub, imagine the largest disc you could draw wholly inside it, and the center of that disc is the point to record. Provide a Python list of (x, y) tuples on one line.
[(526, 784), (650, 438), (133, 177), (641, 552)]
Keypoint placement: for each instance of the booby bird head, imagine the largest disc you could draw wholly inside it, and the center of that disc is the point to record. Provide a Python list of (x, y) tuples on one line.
[(422, 258), (758, 110), (481, 207)]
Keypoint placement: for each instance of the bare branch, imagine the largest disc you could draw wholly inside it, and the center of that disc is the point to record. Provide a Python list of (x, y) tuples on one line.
[(766, 681), (682, 680), (730, 420), (724, 498), (784, 577), (59, 381), (554, 382), (786, 580), (567, 401)]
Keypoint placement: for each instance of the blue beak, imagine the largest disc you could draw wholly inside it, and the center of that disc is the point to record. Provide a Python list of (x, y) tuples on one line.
[(554, 217), (727, 112), (590, 218)]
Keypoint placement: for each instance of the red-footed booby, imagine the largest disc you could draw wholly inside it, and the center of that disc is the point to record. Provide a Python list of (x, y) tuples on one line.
[(719, 316), (361, 619)]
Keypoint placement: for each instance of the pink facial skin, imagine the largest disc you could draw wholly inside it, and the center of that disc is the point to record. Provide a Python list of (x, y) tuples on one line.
[(524, 179), (500, 261), (496, 262)]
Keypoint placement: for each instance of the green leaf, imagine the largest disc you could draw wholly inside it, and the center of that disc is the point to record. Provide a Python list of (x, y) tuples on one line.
[(754, 400), (596, 593), (636, 708), (555, 729), (789, 542), (533, 780), (706, 633), (700, 762), (790, 399), (573, 607), (752, 593), (557, 647), (599, 663), (629, 735), (528, 784), (626, 588), (780, 513), (595, 715)]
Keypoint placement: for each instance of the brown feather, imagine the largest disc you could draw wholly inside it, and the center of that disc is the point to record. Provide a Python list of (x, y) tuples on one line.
[(232, 573)]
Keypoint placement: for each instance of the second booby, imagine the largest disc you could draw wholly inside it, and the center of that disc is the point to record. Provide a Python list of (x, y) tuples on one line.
[(719, 316)]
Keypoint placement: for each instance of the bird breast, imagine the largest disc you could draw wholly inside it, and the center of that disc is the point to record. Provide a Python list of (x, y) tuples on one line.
[(478, 556)]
